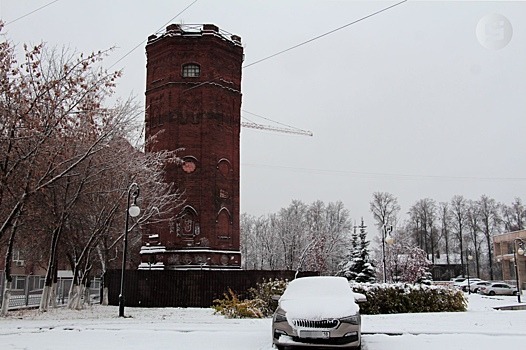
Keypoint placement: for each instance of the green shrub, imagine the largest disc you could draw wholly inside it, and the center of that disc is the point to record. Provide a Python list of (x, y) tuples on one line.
[(405, 298)]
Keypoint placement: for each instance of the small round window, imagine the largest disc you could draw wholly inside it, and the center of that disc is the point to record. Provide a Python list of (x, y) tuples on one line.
[(191, 71)]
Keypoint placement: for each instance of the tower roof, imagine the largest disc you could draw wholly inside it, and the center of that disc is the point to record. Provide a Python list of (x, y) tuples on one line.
[(195, 30)]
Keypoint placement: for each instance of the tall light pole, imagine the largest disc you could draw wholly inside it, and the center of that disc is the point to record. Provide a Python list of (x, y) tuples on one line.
[(133, 211), (469, 257), (386, 238), (518, 242)]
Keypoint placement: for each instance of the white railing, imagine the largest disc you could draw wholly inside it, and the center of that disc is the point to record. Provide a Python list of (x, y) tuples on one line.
[(29, 292)]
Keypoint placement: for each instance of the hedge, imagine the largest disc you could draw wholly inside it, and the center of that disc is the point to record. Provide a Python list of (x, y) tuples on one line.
[(408, 298)]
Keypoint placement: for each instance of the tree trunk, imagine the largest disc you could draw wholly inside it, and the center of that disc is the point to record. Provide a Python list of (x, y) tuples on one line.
[(87, 296), (490, 255), (461, 253), (5, 300), (105, 296), (74, 297), (7, 263), (51, 272)]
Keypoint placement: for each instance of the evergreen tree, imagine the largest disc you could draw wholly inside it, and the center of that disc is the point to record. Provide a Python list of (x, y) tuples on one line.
[(358, 267), (364, 269), (347, 268)]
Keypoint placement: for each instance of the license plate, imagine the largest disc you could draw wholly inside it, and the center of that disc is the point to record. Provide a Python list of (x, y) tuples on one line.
[(315, 334)]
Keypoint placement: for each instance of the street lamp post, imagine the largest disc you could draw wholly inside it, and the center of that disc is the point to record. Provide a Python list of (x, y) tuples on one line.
[(518, 242), (133, 211), (386, 238), (469, 258)]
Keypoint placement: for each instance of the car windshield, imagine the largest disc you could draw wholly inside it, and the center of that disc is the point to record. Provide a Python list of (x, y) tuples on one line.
[(309, 287)]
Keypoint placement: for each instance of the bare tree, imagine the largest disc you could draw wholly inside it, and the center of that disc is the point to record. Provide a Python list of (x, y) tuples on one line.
[(330, 228), (415, 266), (291, 231), (473, 225), (424, 213), (52, 123), (248, 244), (259, 243), (459, 214), (444, 216), (384, 207), (60, 146), (394, 255), (299, 237), (513, 216), (490, 223)]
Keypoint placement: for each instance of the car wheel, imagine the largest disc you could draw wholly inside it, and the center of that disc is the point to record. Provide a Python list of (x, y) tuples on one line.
[(476, 290), (515, 293), (491, 293)]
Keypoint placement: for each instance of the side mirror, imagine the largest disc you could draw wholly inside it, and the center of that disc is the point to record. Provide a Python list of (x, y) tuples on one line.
[(359, 298)]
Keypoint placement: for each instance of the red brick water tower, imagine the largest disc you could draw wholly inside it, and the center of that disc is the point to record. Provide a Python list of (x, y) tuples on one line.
[(193, 102)]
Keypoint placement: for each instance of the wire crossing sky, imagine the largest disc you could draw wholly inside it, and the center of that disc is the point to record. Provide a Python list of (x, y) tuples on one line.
[(424, 99), (322, 35)]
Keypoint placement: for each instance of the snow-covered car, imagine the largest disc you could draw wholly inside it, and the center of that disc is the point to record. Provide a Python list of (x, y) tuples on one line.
[(317, 311), (474, 287), (498, 288), (458, 279), (464, 284)]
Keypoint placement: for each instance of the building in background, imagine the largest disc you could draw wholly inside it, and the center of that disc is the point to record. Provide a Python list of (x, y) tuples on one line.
[(506, 247), (193, 103)]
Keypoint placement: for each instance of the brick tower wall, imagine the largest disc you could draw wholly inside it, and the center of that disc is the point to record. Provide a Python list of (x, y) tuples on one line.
[(193, 101)]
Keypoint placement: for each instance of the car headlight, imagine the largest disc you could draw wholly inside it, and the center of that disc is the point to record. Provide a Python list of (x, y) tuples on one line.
[(280, 317), (355, 319)]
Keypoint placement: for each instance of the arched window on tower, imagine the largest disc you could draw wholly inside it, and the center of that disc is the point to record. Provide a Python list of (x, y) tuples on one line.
[(224, 224), (191, 70), (187, 223)]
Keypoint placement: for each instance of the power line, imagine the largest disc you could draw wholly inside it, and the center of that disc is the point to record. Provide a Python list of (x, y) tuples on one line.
[(291, 48), (129, 52), (324, 34), (158, 30), (27, 14), (371, 174)]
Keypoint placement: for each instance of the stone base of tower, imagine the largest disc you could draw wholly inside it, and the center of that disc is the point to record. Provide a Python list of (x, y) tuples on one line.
[(161, 258)]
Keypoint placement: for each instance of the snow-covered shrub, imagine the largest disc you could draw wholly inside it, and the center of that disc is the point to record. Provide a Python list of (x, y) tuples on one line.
[(260, 304), (265, 291), (232, 307), (409, 298)]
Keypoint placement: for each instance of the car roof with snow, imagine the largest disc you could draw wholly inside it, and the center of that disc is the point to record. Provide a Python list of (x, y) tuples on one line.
[(306, 287)]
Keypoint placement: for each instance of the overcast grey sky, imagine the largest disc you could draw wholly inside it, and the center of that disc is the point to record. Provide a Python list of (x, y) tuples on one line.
[(407, 101)]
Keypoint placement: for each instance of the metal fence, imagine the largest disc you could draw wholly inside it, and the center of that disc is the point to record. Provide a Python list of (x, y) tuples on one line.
[(191, 288), (26, 290)]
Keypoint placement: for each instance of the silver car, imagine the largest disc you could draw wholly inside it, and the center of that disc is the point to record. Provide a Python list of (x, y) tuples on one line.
[(475, 287), (319, 312), (498, 288)]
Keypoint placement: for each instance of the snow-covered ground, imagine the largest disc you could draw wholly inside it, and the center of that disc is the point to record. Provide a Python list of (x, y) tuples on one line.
[(99, 327)]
